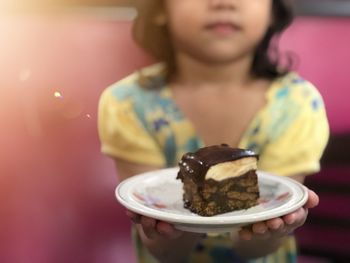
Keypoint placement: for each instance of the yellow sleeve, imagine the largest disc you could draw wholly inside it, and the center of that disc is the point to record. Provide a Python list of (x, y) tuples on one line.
[(299, 148), (121, 133)]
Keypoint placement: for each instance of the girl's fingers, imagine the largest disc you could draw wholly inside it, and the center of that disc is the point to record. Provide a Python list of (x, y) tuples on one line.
[(149, 227), (275, 223), (278, 227), (298, 217), (259, 228), (245, 234), (133, 216), (153, 228), (313, 199), (167, 230), (130, 213)]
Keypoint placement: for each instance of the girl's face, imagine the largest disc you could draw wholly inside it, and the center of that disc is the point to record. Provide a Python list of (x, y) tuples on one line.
[(217, 31)]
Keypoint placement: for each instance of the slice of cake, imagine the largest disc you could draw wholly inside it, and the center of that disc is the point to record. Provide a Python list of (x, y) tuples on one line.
[(219, 179)]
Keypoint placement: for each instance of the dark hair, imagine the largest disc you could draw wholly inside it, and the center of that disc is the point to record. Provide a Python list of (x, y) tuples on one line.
[(266, 60), (156, 40)]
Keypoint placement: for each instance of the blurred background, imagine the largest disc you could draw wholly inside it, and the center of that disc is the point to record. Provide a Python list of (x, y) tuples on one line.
[(57, 199)]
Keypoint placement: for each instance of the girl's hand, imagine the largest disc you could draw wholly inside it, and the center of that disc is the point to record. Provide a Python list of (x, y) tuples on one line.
[(280, 226), (153, 228)]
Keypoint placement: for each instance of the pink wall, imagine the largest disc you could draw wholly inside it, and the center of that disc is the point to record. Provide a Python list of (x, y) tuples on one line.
[(57, 199), (323, 48)]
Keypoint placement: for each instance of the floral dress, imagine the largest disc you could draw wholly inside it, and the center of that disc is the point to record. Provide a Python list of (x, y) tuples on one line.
[(145, 126)]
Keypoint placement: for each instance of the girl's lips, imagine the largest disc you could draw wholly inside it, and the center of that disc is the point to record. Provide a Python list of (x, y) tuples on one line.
[(222, 28)]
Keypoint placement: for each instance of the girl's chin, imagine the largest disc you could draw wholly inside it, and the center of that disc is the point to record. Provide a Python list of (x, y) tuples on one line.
[(219, 54), (219, 58)]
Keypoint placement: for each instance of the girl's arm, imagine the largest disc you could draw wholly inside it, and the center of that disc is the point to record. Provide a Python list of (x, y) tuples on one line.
[(165, 243)]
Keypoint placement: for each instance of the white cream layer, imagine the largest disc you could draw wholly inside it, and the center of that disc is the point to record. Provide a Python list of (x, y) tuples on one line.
[(235, 168)]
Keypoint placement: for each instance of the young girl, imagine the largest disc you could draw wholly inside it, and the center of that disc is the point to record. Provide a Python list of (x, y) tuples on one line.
[(218, 82)]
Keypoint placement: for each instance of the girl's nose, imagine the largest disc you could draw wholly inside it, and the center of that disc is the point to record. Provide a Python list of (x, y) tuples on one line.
[(222, 4)]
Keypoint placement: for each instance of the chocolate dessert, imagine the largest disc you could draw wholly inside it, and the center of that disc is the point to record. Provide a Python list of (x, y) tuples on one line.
[(219, 179)]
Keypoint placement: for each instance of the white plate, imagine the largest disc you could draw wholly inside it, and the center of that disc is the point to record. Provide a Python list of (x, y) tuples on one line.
[(158, 194)]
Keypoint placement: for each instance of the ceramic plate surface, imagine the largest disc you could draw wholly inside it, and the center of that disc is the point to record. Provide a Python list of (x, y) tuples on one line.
[(158, 194)]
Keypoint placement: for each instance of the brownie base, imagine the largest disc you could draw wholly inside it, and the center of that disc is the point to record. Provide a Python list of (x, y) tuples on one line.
[(217, 197)]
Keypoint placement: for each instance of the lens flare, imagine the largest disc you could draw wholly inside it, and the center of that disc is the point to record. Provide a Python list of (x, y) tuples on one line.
[(58, 95)]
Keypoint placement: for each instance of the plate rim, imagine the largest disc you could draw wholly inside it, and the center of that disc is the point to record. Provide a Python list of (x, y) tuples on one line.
[(193, 219)]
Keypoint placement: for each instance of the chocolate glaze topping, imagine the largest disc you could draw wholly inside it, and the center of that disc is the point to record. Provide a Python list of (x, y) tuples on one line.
[(195, 165)]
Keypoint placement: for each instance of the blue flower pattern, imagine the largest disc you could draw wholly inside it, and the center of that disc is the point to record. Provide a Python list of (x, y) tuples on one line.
[(283, 110), (148, 102)]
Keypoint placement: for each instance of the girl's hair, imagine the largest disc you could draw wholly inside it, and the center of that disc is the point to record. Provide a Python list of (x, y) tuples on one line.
[(155, 39)]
